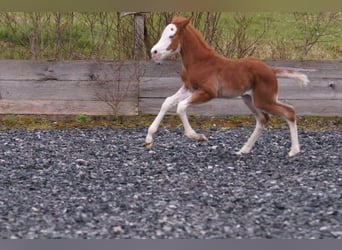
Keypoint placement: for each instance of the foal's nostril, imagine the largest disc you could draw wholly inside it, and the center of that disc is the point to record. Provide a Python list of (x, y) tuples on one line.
[(155, 51)]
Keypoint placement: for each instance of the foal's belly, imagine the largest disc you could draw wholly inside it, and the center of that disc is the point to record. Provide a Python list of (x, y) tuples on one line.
[(233, 91)]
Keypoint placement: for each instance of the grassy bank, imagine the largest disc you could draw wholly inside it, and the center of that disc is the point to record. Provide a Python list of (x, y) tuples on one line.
[(314, 123)]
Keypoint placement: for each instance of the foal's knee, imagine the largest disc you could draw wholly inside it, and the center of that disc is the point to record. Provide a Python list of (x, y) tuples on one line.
[(167, 103), (181, 108), (290, 113), (264, 118)]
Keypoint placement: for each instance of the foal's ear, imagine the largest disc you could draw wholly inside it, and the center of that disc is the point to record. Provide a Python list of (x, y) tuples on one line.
[(182, 23)]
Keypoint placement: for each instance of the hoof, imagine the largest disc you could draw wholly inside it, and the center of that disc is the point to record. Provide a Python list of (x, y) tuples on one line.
[(240, 153), (202, 137), (149, 145), (243, 151), (293, 152), (198, 137)]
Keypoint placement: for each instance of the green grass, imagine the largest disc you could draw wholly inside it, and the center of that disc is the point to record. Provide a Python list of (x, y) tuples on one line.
[(100, 36), (313, 123), (284, 32)]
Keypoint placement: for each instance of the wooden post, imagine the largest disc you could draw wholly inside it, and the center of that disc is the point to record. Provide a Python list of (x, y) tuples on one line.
[(139, 33)]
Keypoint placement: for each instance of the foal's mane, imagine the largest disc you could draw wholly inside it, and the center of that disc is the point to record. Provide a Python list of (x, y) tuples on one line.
[(199, 37), (190, 28)]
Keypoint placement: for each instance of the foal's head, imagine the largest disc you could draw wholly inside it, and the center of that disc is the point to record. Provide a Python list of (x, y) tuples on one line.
[(170, 40)]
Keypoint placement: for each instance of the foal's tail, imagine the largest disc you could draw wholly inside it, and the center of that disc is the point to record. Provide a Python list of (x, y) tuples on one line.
[(301, 78)]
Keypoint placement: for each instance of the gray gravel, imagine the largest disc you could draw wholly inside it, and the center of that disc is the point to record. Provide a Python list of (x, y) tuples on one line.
[(103, 183)]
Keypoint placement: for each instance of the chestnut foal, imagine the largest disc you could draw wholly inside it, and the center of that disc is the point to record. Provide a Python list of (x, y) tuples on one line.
[(207, 75)]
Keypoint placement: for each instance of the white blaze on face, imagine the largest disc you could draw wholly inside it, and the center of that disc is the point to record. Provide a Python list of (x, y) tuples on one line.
[(160, 50)]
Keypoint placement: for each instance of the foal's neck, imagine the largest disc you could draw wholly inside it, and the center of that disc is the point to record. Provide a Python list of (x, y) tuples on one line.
[(194, 48)]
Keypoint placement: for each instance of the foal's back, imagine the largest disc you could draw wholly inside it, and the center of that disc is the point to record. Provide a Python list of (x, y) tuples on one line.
[(236, 76)]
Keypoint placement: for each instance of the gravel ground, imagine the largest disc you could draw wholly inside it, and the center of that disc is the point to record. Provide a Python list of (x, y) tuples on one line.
[(103, 183)]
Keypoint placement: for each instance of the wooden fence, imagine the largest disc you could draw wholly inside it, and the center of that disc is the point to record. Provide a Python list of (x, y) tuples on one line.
[(139, 87)]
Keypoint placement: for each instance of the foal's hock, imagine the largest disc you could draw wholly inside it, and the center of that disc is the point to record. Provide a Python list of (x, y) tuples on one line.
[(206, 75)]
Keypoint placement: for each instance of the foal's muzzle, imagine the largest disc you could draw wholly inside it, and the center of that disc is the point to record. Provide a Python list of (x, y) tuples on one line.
[(156, 56)]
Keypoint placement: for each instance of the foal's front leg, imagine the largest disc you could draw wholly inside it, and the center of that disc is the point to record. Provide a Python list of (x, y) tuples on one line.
[(188, 130), (169, 102), (197, 97)]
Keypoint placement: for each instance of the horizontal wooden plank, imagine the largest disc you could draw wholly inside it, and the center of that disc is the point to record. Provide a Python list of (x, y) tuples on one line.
[(84, 70), (40, 70), (213, 107), (288, 88), (106, 70), (314, 69), (316, 107), (309, 64), (65, 107), (150, 87), (237, 107), (74, 87), (67, 90)]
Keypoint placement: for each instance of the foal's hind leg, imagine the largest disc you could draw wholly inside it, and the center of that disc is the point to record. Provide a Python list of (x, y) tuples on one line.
[(261, 120), (288, 112)]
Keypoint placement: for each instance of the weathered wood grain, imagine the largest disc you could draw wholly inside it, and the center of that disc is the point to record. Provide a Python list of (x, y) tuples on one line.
[(236, 106), (288, 88), (65, 107), (84, 70), (67, 90), (314, 69), (213, 107), (107, 70), (88, 87)]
